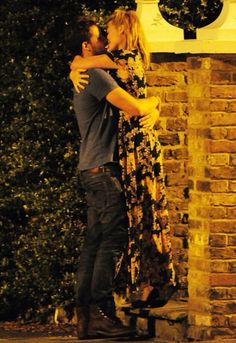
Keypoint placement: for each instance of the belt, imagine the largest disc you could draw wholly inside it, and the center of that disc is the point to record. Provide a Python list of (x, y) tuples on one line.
[(103, 169)]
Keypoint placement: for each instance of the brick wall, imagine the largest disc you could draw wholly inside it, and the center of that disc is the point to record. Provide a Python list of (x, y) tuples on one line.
[(167, 79), (198, 134)]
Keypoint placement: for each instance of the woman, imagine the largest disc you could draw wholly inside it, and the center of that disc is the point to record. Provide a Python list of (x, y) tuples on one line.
[(151, 276)]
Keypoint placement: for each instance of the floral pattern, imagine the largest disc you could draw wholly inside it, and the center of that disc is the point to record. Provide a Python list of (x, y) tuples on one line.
[(149, 257)]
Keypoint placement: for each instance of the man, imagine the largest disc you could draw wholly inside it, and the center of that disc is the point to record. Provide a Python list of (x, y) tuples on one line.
[(106, 235)]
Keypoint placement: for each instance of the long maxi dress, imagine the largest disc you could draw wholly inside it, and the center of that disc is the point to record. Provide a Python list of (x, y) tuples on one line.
[(149, 256)]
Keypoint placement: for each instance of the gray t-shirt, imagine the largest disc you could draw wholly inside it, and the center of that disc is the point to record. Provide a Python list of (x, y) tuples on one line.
[(97, 120)]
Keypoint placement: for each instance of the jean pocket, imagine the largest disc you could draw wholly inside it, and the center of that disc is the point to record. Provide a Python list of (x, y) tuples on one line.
[(96, 198)]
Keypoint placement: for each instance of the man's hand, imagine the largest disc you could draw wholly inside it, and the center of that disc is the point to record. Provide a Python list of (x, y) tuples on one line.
[(149, 120), (78, 77)]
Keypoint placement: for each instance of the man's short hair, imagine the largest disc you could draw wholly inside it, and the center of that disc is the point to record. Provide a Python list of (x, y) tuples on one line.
[(77, 32)]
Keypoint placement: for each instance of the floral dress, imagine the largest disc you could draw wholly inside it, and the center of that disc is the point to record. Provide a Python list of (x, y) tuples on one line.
[(149, 257)]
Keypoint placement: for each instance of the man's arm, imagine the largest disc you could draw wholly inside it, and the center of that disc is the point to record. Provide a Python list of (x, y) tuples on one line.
[(127, 103)]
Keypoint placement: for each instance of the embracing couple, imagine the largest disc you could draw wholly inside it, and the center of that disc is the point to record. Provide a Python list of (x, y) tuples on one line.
[(128, 235)]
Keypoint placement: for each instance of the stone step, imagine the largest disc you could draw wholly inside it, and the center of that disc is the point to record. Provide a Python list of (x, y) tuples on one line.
[(169, 322)]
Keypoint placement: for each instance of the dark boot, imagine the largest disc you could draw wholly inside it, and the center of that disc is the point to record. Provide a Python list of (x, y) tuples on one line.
[(82, 321), (101, 324)]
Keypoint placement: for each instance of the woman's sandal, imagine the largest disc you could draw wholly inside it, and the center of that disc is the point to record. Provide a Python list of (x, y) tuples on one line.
[(157, 298)]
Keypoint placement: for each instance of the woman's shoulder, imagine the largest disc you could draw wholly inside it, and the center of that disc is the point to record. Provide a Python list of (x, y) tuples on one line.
[(124, 53)]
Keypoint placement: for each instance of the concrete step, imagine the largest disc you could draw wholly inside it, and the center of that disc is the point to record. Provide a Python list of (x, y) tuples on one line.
[(169, 322)]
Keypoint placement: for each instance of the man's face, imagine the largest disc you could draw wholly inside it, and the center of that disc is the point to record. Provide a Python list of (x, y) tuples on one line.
[(97, 40)]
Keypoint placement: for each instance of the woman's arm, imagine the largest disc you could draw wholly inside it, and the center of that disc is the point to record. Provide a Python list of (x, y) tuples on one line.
[(133, 106), (98, 61)]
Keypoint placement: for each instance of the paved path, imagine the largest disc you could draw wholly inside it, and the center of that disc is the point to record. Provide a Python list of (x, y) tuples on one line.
[(75, 340), (58, 339)]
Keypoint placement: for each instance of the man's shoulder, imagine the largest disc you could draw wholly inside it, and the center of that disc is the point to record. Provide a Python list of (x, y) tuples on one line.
[(100, 83), (99, 78)]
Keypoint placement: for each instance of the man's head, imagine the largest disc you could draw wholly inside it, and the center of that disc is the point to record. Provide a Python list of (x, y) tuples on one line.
[(84, 37)]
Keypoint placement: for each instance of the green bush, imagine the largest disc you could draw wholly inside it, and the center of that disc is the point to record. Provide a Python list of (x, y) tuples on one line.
[(42, 212)]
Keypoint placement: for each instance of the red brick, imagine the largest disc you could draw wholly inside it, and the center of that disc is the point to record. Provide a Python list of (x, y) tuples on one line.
[(220, 226), (224, 253), (177, 154), (171, 110), (227, 62), (178, 205), (232, 241), (195, 223), (201, 104), (170, 139), (223, 279), (176, 96), (223, 92), (232, 321), (224, 307), (222, 146), (220, 77), (233, 159), (219, 186), (164, 78), (218, 159), (232, 186), (231, 213), (231, 133), (203, 186), (156, 91), (220, 105), (218, 132), (199, 77), (167, 66), (223, 332), (222, 293), (233, 106), (222, 119), (171, 167), (180, 230), (219, 320), (232, 267), (194, 62), (176, 124), (227, 173), (212, 212), (175, 193), (176, 180), (223, 199), (218, 240), (219, 266)]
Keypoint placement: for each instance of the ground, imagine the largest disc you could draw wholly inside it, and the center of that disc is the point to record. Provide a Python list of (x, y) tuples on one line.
[(19, 329)]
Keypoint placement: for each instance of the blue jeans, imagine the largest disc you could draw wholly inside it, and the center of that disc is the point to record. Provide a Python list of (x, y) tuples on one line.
[(105, 239)]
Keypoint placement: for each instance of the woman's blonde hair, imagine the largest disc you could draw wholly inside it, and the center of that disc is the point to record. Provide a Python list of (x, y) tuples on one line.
[(133, 31)]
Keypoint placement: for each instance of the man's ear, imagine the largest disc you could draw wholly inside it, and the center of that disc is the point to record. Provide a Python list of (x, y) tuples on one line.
[(86, 46)]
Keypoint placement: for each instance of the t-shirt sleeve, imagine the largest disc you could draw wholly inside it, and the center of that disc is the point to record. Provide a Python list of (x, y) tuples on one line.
[(100, 83)]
